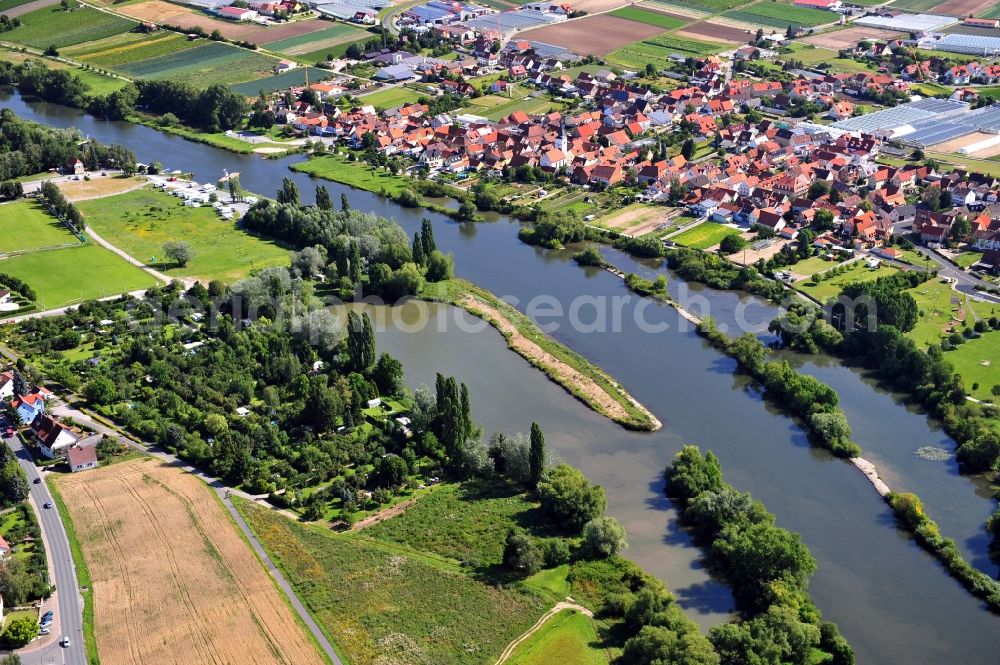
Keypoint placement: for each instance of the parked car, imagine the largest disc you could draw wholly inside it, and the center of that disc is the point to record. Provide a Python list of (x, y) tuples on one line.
[(44, 631), (48, 616)]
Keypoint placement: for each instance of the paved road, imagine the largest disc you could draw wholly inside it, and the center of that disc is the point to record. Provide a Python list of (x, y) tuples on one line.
[(964, 282), (68, 603)]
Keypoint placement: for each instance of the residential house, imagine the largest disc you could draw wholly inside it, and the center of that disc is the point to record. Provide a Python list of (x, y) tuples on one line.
[(28, 407), (51, 436), (82, 457)]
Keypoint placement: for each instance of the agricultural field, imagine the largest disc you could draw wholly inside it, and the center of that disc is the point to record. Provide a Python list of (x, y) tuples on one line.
[(659, 49), (391, 97), (849, 37), (383, 603), (659, 19), (172, 578), (27, 226), (114, 52), (962, 8), (704, 235), (211, 62), (774, 15), (915, 5), (593, 35), (706, 6), (714, 31), (53, 26), (495, 107), (567, 632), (158, 11), (97, 84), (71, 275), (338, 33), (140, 221), (280, 81)]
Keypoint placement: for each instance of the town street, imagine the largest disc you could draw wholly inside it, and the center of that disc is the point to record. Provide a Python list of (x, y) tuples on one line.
[(66, 602)]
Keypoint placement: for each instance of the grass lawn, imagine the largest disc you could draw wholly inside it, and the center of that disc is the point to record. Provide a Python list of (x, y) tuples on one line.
[(391, 97), (466, 522), (356, 174), (65, 276), (931, 89), (818, 56), (648, 17), (978, 360), (52, 26), (26, 225), (811, 266), (705, 235), (857, 272), (495, 107), (938, 305), (569, 636), (140, 221), (385, 603), (8, 617), (966, 259)]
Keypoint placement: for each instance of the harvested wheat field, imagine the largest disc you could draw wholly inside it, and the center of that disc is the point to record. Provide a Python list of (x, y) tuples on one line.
[(597, 6), (592, 35), (847, 38), (173, 581)]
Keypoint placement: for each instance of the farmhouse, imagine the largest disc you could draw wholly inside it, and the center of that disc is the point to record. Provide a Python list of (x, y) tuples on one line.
[(6, 385), (51, 436), (237, 13)]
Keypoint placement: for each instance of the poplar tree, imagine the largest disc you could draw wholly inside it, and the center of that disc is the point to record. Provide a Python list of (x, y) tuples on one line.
[(345, 205), (323, 201), (536, 454), (418, 249)]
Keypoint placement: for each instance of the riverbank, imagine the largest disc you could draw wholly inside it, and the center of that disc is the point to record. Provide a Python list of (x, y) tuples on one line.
[(578, 376)]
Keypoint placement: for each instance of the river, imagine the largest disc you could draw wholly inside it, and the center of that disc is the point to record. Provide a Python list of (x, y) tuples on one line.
[(893, 602)]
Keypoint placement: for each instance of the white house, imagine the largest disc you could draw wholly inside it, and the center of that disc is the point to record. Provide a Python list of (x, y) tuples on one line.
[(52, 436), (82, 457)]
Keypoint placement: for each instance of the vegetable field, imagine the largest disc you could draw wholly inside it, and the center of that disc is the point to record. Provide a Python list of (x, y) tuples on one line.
[(108, 55), (708, 6), (649, 17), (659, 49), (776, 15), (320, 39), (280, 81), (56, 27), (209, 63)]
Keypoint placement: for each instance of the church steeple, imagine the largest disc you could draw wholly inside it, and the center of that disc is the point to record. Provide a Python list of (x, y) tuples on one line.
[(563, 143)]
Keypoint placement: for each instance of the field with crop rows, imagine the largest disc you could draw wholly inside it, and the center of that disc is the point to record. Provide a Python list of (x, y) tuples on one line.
[(55, 27), (314, 41), (776, 15), (659, 49), (280, 81), (709, 6), (173, 580), (649, 17), (116, 56), (213, 62)]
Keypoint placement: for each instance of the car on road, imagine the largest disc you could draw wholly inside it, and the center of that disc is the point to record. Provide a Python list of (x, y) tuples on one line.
[(47, 505), (37, 481), (64, 642)]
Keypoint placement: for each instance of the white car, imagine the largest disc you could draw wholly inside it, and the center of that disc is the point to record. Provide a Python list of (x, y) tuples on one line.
[(64, 642)]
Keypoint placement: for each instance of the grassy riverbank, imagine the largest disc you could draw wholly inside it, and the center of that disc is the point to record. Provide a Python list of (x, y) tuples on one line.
[(581, 378), (355, 174)]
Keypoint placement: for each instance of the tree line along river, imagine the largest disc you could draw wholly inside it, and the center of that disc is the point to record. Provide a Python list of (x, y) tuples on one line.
[(893, 602)]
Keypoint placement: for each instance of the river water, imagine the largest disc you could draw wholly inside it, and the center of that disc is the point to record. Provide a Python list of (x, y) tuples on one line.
[(893, 602)]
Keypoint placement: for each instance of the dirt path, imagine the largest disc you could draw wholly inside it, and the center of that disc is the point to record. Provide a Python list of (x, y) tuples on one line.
[(567, 604), (383, 515), (574, 381)]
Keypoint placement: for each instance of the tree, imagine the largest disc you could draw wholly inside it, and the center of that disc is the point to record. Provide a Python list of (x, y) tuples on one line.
[(100, 391), (657, 645), (603, 537), (20, 385), (568, 496), (427, 236), (466, 212), (521, 555), (690, 474), (345, 205), (817, 189), (731, 244), (289, 192), (979, 454), (51, 51), (323, 201), (388, 375), (15, 582), (21, 631), (440, 267), (360, 341), (687, 149), (178, 251), (310, 261), (13, 483), (389, 471), (536, 456), (823, 219)]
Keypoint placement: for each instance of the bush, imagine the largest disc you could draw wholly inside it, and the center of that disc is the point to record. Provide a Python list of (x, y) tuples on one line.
[(568, 496), (603, 537)]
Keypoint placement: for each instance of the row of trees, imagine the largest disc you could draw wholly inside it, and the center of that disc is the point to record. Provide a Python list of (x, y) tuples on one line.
[(60, 206), (768, 567)]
